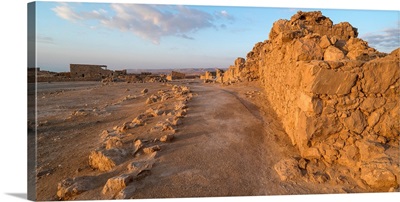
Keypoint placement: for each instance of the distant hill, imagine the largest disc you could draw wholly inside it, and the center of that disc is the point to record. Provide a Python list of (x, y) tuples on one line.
[(187, 71)]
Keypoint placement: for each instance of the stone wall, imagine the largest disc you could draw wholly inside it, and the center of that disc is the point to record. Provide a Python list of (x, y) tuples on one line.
[(90, 72), (337, 98), (175, 75)]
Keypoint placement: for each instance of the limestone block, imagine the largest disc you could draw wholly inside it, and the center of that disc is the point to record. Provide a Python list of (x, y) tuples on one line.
[(325, 42), (370, 150), (374, 118), (332, 54), (379, 75), (144, 91), (117, 183), (71, 187), (167, 138), (113, 142), (378, 174), (308, 103), (372, 103), (355, 122), (325, 81), (311, 153), (127, 192), (105, 160), (313, 128), (306, 50), (152, 149), (349, 156), (389, 126)]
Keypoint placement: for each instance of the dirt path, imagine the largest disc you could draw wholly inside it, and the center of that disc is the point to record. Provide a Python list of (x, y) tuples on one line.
[(220, 151)]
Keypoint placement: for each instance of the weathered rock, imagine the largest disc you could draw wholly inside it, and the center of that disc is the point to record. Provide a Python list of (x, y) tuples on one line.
[(374, 118), (315, 166), (177, 121), (138, 144), (287, 169), (117, 183), (152, 149), (308, 103), (114, 142), (105, 134), (167, 127), (332, 53), (167, 138), (379, 74), (154, 112), (69, 188), (139, 120), (302, 163), (153, 99), (371, 103), (370, 150), (325, 42), (356, 122), (349, 156), (127, 192), (377, 175), (125, 126), (180, 106), (180, 113), (105, 160), (144, 91), (307, 50), (330, 82)]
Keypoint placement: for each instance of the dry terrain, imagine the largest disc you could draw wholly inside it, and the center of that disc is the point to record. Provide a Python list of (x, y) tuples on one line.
[(225, 144)]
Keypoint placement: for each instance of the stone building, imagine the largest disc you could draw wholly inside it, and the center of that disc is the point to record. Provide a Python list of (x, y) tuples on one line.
[(90, 72), (175, 75)]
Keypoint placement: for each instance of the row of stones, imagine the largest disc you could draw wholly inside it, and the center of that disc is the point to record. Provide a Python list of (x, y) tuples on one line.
[(119, 146)]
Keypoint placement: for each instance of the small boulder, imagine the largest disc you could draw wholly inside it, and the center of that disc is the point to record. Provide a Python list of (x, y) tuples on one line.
[(127, 192), (152, 149), (177, 121), (167, 138), (332, 54), (105, 160), (144, 91), (116, 184), (114, 142)]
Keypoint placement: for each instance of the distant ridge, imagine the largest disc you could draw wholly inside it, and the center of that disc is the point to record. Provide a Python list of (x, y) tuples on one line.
[(188, 71)]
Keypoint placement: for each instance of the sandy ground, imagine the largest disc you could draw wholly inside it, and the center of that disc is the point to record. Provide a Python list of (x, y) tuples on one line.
[(227, 145)]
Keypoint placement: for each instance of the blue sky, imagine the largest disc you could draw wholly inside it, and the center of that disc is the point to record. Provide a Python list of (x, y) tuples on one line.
[(129, 36)]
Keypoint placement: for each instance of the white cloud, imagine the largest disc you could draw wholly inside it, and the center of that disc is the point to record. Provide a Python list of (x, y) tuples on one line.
[(150, 22), (224, 15), (386, 40), (64, 11)]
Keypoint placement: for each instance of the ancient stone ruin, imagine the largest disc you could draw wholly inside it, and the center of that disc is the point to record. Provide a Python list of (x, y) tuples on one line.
[(92, 72), (336, 97), (175, 75)]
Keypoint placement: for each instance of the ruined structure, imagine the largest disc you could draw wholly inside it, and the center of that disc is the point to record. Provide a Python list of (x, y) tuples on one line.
[(175, 75), (213, 76), (208, 76), (337, 98), (92, 72)]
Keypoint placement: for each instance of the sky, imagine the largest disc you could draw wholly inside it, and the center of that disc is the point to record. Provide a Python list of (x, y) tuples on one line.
[(150, 36)]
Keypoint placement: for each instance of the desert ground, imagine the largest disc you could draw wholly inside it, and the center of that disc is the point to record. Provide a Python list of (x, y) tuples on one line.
[(226, 142)]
